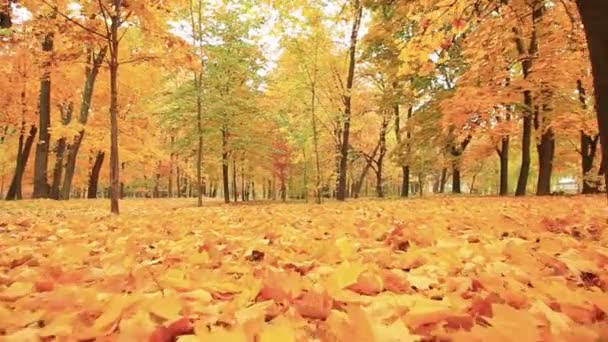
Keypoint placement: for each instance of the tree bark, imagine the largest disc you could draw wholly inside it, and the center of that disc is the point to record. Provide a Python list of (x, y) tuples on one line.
[(594, 14), (5, 14), (524, 171), (41, 186), (546, 151), (503, 155), (91, 72), (114, 158), (588, 148), (235, 191), (198, 80), (23, 154), (380, 161), (66, 117), (94, 175), (456, 178), (527, 54), (225, 166), (443, 180), (341, 191)]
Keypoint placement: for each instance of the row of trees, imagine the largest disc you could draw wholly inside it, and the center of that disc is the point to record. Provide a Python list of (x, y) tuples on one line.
[(404, 95)]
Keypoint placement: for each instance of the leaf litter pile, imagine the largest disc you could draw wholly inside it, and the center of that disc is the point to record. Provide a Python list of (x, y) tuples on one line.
[(476, 269)]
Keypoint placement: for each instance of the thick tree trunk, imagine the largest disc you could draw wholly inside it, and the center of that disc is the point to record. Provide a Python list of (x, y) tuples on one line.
[(23, 154), (58, 169), (546, 151), (66, 118), (41, 186), (5, 14), (594, 14), (588, 147), (341, 191), (94, 175), (443, 180), (456, 178)]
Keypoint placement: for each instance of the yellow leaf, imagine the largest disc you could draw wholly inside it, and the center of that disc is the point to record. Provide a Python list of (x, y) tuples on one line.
[(277, 333), (17, 290), (112, 313), (167, 307), (344, 275)]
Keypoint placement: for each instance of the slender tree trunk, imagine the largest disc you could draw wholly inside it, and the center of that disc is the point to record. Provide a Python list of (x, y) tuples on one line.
[(198, 80), (341, 191), (225, 166), (503, 154), (94, 175), (178, 178), (527, 54), (594, 14), (41, 186), (91, 71), (171, 168), (14, 190), (243, 189), (380, 162), (235, 192), (114, 158)]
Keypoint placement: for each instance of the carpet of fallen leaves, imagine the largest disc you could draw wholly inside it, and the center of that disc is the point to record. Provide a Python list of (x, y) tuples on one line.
[(461, 269)]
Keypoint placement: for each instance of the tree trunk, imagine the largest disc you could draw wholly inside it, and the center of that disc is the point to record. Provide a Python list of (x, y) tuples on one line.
[(94, 175), (341, 191), (235, 192), (114, 40), (178, 178), (5, 14), (594, 14), (58, 169), (198, 80), (171, 168), (41, 186), (91, 71), (456, 178), (546, 151), (225, 176), (443, 180), (380, 161), (527, 54), (66, 117), (524, 171), (23, 154), (503, 154)]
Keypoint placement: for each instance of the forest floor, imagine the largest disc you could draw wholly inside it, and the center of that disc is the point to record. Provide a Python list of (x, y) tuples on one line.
[(465, 269)]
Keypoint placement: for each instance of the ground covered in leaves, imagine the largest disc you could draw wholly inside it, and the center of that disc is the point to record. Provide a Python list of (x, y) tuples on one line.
[(462, 269)]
